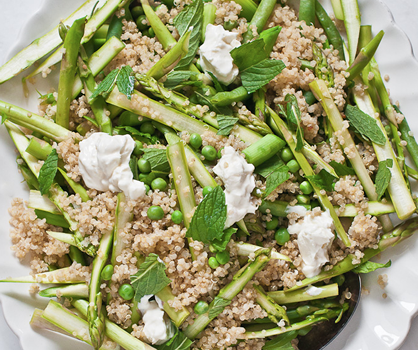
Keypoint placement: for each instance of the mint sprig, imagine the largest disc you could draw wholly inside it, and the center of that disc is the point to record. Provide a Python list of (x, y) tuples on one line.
[(150, 278), (323, 180), (48, 172), (226, 123), (370, 266), (276, 178), (383, 177), (122, 77)]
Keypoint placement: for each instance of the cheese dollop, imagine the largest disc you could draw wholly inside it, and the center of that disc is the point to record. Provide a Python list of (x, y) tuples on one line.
[(237, 176), (315, 238), (215, 54), (157, 327), (104, 164)]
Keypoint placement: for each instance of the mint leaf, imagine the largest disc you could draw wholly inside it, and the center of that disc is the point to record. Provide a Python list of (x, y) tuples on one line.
[(323, 180), (143, 137), (383, 177), (270, 37), (260, 74), (269, 166), (209, 218), (220, 244), (217, 306), (106, 85), (341, 169), (150, 278), (125, 81), (191, 16), (276, 178), (370, 266), (158, 159), (299, 139), (48, 172), (177, 79), (219, 87), (226, 123), (249, 54), (178, 342), (281, 342), (365, 125)]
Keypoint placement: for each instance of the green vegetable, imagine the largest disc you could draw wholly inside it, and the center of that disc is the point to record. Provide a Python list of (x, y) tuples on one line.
[(159, 184), (306, 187), (195, 140), (48, 172), (282, 236), (272, 224), (178, 342), (213, 263), (341, 169), (150, 278), (365, 125), (260, 74), (206, 190), (383, 177), (286, 154), (126, 291), (138, 148), (147, 128), (260, 18), (209, 152), (293, 166), (122, 78), (190, 17), (370, 266), (303, 199), (223, 257), (155, 212), (177, 217), (307, 11), (144, 165), (281, 342), (276, 178), (201, 307), (107, 272), (263, 149)]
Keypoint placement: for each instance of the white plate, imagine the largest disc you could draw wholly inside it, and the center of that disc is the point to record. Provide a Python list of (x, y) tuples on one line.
[(378, 323)]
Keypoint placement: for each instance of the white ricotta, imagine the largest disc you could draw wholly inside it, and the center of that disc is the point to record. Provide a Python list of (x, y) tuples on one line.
[(215, 56), (314, 291), (237, 176), (157, 328), (104, 164), (315, 236)]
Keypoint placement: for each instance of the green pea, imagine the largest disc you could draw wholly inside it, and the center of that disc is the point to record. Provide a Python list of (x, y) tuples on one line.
[(107, 273), (150, 33), (306, 187), (126, 291), (209, 152), (147, 178), (213, 263), (207, 190), (293, 166), (141, 26), (195, 140), (147, 188), (219, 154), (201, 307), (303, 199), (137, 11), (282, 236), (229, 25), (388, 130), (144, 165), (155, 212), (212, 249), (177, 217), (315, 204), (147, 128), (223, 257), (286, 154), (271, 225), (159, 184), (138, 148), (129, 119)]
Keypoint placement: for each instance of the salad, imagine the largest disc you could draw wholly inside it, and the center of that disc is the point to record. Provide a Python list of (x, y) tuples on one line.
[(205, 173)]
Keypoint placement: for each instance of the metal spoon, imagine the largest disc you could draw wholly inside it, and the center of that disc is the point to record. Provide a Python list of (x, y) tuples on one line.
[(324, 333)]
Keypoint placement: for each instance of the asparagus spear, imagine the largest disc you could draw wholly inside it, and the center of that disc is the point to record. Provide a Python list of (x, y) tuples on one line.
[(245, 249), (398, 189), (182, 183), (307, 169), (274, 311), (259, 20), (322, 69), (113, 331), (79, 290), (68, 70), (95, 316), (209, 16), (396, 236), (228, 293), (352, 23), (56, 276), (105, 9), (285, 297)]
